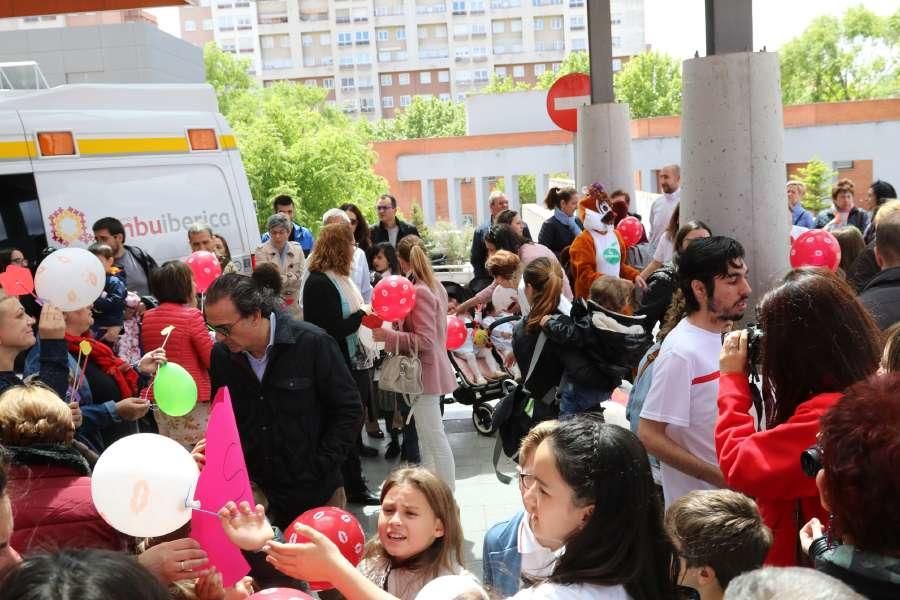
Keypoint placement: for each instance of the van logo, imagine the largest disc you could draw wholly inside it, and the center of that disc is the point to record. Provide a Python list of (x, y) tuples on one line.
[(68, 225)]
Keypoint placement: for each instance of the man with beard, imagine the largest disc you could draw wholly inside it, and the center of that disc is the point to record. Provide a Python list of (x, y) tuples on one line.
[(662, 208), (679, 415), (599, 250)]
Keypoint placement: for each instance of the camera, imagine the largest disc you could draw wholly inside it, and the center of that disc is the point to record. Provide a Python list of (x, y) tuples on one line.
[(754, 346), (811, 460)]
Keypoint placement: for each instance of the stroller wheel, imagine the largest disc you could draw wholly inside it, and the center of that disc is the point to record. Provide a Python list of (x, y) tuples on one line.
[(483, 418)]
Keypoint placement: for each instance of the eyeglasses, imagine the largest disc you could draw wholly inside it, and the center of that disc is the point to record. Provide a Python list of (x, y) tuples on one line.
[(525, 479), (224, 330), (19, 261), (381, 208)]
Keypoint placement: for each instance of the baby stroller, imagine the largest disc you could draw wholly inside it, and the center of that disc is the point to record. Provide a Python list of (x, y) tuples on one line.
[(484, 396)]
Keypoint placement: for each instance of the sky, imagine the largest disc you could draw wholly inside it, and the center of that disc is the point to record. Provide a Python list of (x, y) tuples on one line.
[(676, 27)]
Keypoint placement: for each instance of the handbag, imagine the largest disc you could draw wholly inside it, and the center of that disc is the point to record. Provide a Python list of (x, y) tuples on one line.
[(518, 411), (402, 374)]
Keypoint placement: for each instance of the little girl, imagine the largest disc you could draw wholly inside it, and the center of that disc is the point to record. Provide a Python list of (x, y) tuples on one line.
[(469, 352), (419, 539)]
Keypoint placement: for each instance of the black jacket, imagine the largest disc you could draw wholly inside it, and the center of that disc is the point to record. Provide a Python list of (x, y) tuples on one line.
[(380, 233), (657, 298), (299, 423), (857, 218), (54, 369), (556, 235), (882, 297), (864, 268), (322, 307), (871, 575), (602, 347)]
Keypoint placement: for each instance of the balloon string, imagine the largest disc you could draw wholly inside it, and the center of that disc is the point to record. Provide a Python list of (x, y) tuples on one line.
[(208, 512)]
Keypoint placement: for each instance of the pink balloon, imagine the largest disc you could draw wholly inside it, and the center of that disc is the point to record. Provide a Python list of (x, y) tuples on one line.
[(631, 229), (280, 594), (205, 267), (456, 332), (393, 298), (339, 526), (816, 248)]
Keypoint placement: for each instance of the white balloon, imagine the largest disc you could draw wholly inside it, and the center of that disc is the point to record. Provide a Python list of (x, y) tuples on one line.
[(451, 586), (70, 278), (142, 485)]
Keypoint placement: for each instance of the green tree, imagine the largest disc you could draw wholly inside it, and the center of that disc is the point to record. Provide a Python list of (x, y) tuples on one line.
[(292, 142), (817, 176), (502, 85), (574, 62), (651, 85), (423, 118), (852, 58), (229, 76)]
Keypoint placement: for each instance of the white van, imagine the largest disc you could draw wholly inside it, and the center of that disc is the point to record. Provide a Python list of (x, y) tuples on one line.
[(156, 157)]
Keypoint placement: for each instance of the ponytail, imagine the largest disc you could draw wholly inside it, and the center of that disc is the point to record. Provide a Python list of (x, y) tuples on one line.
[(546, 278), (412, 249), (556, 196)]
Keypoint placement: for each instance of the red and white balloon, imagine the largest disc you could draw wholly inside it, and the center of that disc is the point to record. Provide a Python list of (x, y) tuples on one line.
[(631, 229), (393, 298), (339, 526), (280, 594), (205, 267), (816, 248), (456, 332)]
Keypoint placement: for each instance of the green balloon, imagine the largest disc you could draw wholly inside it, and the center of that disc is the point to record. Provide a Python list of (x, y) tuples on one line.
[(174, 390)]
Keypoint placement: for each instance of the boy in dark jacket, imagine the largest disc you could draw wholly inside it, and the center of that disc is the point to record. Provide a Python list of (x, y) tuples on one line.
[(109, 308), (611, 343)]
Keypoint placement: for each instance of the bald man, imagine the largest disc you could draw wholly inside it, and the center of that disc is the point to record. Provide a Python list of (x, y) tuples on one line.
[(661, 211)]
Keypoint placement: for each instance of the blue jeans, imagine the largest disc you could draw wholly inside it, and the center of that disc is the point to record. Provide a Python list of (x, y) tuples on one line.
[(575, 399)]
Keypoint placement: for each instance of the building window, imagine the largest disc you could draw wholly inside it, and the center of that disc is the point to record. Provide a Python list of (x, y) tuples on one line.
[(515, 25), (244, 22), (401, 34), (283, 40), (463, 77), (266, 42), (539, 69), (617, 41), (479, 29), (324, 39), (576, 22), (207, 24), (500, 71), (190, 26), (443, 76), (440, 31), (387, 79), (403, 79), (579, 44), (481, 76), (538, 24), (306, 40), (519, 71), (423, 32), (328, 83), (405, 100), (461, 30), (362, 37), (459, 7), (364, 58), (425, 77), (347, 61), (444, 97), (383, 35), (387, 102), (460, 97), (226, 22), (344, 38), (616, 65), (461, 52), (556, 23), (498, 27), (346, 83)]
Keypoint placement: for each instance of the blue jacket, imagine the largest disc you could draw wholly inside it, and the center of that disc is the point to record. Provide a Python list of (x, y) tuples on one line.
[(502, 562), (301, 235), (95, 417), (802, 217), (109, 308)]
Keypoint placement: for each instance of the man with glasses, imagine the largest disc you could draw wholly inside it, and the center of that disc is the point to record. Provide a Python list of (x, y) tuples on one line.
[(296, 405), (285, 205), (389, 227)]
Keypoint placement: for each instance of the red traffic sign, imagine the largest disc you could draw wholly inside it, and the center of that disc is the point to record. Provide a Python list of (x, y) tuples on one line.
[(565, 96)]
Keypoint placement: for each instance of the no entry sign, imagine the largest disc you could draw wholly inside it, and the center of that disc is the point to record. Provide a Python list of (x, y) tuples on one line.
[(565, 96)]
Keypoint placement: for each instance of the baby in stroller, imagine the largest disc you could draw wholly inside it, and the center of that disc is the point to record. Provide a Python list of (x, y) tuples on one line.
[(474, 356)]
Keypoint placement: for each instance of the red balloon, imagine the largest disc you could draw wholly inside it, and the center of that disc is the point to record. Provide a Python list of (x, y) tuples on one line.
[(17, 281), (631, 229), (456, 332), (816, 248), (393, 298), (339, 526), (205, 267), (280, 594)]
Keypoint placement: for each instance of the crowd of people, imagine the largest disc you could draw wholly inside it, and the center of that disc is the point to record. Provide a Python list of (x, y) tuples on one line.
[(760, 462)]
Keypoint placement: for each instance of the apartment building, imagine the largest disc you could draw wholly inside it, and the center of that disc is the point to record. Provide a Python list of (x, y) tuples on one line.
[(85, 19), (375, 56)]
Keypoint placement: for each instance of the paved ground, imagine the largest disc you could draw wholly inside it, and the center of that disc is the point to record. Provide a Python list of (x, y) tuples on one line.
[(482, 499)]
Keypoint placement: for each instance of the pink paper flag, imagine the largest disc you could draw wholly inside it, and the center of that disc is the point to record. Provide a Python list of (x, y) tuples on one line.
[(223, 478)]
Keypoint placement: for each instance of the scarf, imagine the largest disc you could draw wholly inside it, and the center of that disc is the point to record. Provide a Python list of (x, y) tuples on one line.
[(105, 359), (360, 344), (606, 243), (565, 219), (48, 455)]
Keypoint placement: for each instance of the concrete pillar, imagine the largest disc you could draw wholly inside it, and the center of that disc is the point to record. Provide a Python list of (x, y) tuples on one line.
[(732, 157), (481, 201), (428, 207), (454, 201), (541, 185), (511, 183), (603, 147)]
